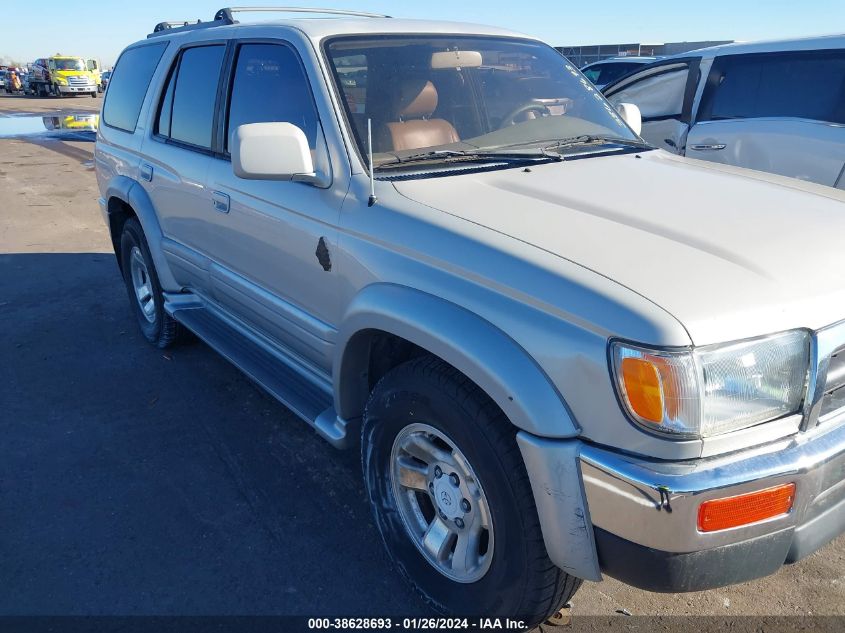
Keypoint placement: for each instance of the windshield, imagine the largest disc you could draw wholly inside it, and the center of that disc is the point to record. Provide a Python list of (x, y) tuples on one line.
[(69, 64), (424, 93)]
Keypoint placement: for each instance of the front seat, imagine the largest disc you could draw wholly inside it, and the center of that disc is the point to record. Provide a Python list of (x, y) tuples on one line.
[(414, 129)]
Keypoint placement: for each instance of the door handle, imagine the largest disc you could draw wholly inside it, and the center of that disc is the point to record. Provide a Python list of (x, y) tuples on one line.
[(711, 147), (220, 201), (147, 172)]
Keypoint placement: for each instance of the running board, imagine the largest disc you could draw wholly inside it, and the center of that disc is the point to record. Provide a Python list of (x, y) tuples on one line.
[(280, 375)]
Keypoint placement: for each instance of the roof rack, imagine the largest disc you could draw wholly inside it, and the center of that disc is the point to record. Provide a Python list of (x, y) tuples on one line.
[(227, 13), (225, 17)]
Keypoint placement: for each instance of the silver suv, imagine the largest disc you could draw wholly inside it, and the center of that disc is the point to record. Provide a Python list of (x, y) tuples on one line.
[(562, 352)]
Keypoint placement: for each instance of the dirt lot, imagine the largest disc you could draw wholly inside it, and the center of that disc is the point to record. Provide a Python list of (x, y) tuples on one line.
[(134, 481)]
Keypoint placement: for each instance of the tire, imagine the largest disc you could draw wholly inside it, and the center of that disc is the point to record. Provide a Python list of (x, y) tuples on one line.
[(426, 398), (93, 95), (158, 327)]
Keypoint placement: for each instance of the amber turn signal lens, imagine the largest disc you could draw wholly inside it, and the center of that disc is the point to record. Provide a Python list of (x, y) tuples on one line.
[(721, 514), (642, 388)]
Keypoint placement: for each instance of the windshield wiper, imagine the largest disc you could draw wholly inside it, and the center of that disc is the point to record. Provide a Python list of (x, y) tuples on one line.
[(589, 139), (452, 155), (581, 139)]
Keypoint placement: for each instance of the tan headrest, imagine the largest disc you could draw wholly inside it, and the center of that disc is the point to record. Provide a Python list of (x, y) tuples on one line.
[(417, 100)]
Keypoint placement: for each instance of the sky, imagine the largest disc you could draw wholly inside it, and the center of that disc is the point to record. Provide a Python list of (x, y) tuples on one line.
[(100, 28)]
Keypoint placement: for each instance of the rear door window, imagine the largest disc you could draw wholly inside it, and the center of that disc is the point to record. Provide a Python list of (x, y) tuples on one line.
[(804, 85), (128, 85), (186, 113)]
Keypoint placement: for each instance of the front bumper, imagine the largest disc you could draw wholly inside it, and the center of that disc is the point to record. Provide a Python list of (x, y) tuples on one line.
[(641, 515), (76, 89)]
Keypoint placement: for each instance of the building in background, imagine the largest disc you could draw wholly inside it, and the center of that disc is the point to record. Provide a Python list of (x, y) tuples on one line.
[(583, 55)]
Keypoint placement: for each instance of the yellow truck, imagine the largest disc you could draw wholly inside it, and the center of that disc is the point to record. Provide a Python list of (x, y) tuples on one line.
[(62, 75)]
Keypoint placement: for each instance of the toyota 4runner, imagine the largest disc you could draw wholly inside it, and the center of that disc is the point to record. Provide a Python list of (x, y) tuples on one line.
[(562, 353)]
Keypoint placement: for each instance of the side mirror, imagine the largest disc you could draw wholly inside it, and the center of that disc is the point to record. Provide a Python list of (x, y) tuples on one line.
[(271, 151), (632, 116)]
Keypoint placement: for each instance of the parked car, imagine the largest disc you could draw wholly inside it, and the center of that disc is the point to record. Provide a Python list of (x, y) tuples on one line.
[(774, 106), (104, 80), (12, 80), (609, 70), (562, 353)]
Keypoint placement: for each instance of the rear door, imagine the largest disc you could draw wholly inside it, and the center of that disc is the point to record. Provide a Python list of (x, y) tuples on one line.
[(177, 159), (664, 93), (782, 113)]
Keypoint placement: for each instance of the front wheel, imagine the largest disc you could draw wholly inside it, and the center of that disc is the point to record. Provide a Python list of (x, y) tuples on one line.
[(452, 499)]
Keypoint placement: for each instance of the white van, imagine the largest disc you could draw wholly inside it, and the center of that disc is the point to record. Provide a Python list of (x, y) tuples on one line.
[(772, 106)]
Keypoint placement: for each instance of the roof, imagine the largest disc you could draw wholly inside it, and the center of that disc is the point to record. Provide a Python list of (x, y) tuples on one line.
[(318, 29), (771, 46)]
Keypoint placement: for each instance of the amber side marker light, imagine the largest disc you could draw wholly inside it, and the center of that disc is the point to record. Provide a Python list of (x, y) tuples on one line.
[(643, 389), (721, 514)]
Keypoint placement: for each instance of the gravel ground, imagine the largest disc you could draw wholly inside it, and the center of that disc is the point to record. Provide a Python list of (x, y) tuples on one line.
[(135, 481)]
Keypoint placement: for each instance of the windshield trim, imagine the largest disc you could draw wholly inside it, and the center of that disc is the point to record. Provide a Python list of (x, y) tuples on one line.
[(348, 130)]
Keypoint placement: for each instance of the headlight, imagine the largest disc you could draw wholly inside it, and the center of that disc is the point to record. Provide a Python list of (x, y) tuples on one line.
[(61, 80), (706, 391)]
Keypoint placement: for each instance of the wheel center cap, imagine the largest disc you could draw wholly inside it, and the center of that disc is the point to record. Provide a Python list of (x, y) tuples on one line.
[(447, 498)]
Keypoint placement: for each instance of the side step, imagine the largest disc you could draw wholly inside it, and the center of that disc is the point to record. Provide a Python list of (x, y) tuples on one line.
[(281, 376)]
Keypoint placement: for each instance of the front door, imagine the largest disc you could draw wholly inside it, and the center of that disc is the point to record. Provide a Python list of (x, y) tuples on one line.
[(274, 241), (664, 93)]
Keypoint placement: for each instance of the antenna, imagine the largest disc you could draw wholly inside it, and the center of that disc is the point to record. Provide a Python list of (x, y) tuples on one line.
[(373, 198)]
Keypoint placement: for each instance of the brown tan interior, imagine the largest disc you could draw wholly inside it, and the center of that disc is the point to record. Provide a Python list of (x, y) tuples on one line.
[(415, 127)]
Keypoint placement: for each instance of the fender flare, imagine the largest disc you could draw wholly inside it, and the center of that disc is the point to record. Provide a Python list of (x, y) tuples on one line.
[(471, 344), (133, 194)]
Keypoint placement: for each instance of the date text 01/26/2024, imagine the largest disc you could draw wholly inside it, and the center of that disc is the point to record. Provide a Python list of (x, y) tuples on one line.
[(416, 624)]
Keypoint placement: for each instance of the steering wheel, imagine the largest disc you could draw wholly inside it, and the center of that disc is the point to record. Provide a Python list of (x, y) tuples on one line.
[(530, 106)]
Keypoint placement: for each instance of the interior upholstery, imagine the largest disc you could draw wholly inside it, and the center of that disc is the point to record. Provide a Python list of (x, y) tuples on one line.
[(415, 129), (417, 102)]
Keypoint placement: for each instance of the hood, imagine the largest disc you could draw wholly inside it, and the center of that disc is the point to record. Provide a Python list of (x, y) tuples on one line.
[(731, 253)]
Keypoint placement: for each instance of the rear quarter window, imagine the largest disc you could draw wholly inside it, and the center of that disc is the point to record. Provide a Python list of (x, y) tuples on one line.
[(128, 85)]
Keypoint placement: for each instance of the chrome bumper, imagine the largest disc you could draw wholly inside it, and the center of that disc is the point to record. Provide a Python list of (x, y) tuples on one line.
[(655, 504), (637, 519), (77, 88)]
